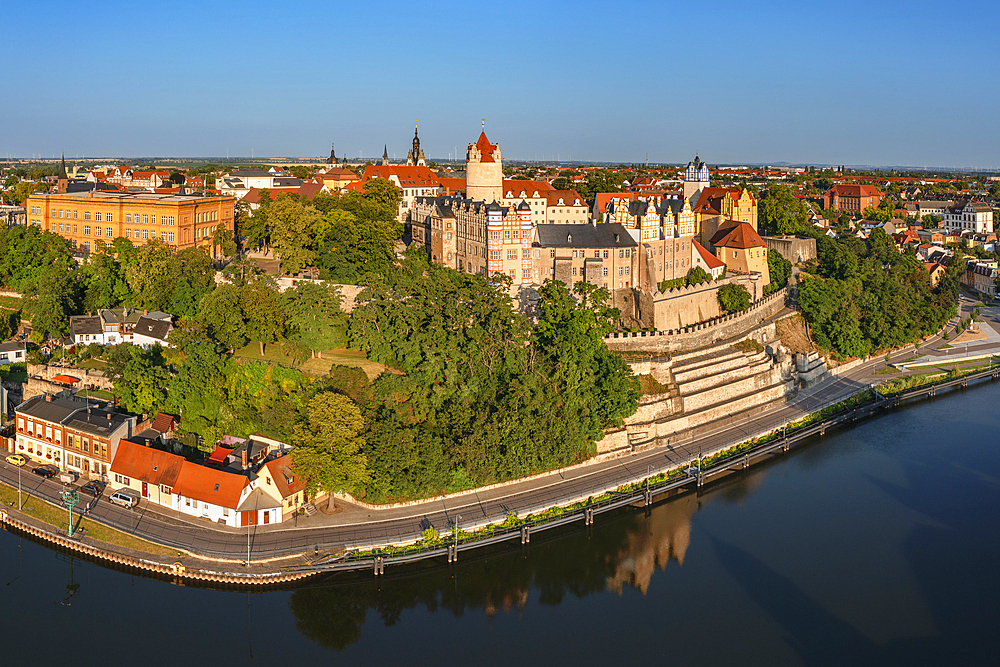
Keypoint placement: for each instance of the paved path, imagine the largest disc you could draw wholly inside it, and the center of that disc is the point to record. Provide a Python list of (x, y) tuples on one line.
[(359, 526)]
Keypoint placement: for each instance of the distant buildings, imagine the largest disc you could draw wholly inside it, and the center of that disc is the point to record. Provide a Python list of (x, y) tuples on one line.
[(852, 198), (93, 218), (975, 217), (111, 326)]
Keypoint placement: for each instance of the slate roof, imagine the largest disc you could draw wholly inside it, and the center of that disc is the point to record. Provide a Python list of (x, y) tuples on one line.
[(157, 329), (55, 410), (85, 324), (95, 421), (609, 235)]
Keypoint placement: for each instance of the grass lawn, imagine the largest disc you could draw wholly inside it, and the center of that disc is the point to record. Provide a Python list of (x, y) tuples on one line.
[(888, 370), (95, 393), (93, 364), (56, 516), (277, 354)]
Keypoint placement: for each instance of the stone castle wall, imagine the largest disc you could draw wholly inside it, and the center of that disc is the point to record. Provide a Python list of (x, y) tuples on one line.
[(700, 335)]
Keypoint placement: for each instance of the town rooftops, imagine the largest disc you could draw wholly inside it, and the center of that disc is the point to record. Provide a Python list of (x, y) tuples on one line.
[(563, 198), (707, 257), (516, 189), (609, 235), (95, 421), (48, 408), (12, 346), (85, 324), (147, 464), (737, 235)]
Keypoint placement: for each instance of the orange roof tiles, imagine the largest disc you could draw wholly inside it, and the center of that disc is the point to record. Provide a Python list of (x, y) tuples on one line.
[(515, 188), (147, 464), (737, 235), (281, 472), (210, 485), (710, 259), (568, 197)]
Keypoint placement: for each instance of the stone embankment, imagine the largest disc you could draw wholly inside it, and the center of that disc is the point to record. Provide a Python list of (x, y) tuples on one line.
[(708, 386), (176, 571)]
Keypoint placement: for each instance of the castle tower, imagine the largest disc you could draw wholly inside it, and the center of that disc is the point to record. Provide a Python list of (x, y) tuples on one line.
[(483, 170), (696, 179), (415, 157), (62, 183), (333, 156)]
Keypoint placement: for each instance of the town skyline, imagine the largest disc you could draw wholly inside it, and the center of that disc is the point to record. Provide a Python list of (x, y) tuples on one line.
[(757, 88)]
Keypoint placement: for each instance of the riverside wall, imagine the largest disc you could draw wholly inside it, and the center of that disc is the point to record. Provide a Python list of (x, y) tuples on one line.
[(700, 335)]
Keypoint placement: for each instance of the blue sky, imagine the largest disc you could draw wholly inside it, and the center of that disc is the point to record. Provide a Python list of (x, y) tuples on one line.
[(883, 83)]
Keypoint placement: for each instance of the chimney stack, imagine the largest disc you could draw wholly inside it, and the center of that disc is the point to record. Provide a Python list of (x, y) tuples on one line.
[(243, 456)]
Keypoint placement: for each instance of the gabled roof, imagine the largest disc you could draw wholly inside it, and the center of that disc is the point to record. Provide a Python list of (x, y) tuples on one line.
[(707, 257), (452, 185), (851, 190), (151, 328), (602, 199), (284, 478), (210, 485), (85, 324), (568, 197), (515, 189), (147, 464), (164, 422), (737, 235), (408, 177)]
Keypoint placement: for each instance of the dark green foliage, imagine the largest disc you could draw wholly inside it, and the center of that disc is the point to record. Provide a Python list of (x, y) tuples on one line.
[(734, 298), (484, 397), (779, 269), (697, 275), (779, 212), (139, 376), (874, 298), (26, 251)]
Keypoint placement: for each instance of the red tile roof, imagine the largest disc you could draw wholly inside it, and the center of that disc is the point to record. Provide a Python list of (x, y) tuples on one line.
[(452, 185), (710, 259), (164, 422), (849, 190), (409, 177), (210, 485), (284, 478), (220, 455), (604, 198), (513, 189), (485, 148), (569, 198), (147, 464), (737, 235)]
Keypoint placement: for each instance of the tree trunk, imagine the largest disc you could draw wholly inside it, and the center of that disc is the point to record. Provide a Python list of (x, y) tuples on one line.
[(262, 348)]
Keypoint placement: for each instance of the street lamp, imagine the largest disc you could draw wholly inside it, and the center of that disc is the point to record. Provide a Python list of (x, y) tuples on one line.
[(70, 498), (19, 487)]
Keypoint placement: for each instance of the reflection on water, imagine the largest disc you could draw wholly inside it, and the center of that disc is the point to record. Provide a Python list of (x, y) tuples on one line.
[(624, 551)]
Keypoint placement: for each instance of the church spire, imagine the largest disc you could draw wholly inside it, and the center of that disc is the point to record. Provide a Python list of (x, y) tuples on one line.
[(62, 181), (385, 155), (62, 168)]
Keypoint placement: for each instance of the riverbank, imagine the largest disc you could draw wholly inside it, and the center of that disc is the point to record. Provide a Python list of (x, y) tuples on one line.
[(639, 490)]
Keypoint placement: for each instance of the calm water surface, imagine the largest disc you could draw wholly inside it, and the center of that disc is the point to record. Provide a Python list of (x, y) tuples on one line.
[(878, 545)]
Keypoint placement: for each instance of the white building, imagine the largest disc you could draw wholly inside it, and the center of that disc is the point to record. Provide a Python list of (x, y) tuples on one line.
[(12, 353), (971, 216)]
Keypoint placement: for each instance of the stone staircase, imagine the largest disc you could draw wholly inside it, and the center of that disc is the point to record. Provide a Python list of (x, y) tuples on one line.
[(707, 385)]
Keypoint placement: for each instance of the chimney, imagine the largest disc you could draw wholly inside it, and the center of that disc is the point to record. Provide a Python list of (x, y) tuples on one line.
[(48, 398), (243, 456)]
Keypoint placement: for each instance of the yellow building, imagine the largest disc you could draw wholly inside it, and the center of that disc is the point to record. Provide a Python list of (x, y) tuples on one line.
[(90, 218), (718, 207), (741, 248)]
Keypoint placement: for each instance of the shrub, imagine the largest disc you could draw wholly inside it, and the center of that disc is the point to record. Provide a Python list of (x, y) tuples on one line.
[(734, 298)]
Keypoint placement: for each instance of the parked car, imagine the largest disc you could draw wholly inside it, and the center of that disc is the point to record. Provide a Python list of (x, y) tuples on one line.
[(16, 460), (125, 498), (44, 471), (95, 489)]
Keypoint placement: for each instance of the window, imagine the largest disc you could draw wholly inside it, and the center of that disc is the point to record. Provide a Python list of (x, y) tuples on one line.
[(61, 213), (86, 230), (621, 254), (170, 237), (574, 254), (152, 219), (605, 254), (597, 254), (626, 252), (621, 271), (506, 234), (74, 230), (74, 215), (605, 274), (171, 221), (108, 218), (145, 234), (97, 216), (145, 219), (60, 226), (128, 217), (97, 231), (552, 252), (108, 232), (626, 270), (55, 214), (574, 270), (163, 235), (128, 233)]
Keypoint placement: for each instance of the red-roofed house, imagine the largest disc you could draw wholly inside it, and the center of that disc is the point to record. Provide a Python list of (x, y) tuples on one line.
[(706, 260), (213, 494), (741, 248), (149, 472), (278, 480)]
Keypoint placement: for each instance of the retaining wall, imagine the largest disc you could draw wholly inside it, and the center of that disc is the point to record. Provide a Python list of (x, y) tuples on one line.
[(699, 335)]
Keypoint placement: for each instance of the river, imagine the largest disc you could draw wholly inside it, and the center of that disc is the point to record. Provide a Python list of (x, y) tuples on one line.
[(877, 545)]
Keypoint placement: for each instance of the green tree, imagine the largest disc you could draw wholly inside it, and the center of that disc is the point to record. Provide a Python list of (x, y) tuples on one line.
[(734, 297), (315, 321), (779, 212), (262, 312), (154, 275), (222, 241), (328, 448), (292, 236), (779, 269), (51, 299), (140, 379), (698, 275), (383, 193), (222, 314)]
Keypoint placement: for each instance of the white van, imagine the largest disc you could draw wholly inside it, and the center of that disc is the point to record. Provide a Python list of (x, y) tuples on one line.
[(125, 498)]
